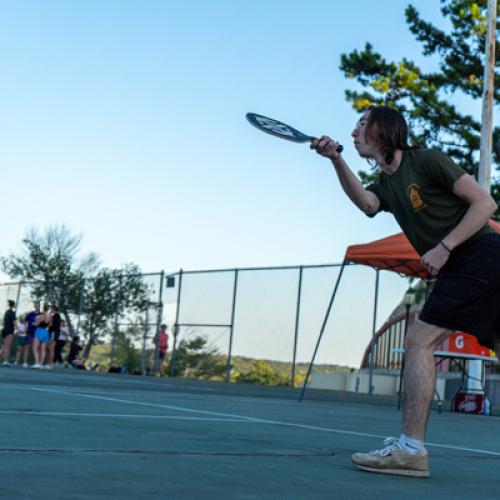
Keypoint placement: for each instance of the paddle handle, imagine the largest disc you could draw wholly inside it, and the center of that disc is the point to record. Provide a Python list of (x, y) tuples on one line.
[(339, 149)]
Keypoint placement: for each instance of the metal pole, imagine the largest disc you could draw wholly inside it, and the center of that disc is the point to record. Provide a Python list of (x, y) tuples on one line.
[(374, 330), (484, 176), (49, 293), (231, 328), (144, 337), (117, 319), (80, 305), (176, 326), (474, 382), (332, 298), (18, 296), (158, 323), (297, 320)]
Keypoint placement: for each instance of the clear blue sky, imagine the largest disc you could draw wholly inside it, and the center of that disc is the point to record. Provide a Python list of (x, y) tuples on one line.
[(124, 120)]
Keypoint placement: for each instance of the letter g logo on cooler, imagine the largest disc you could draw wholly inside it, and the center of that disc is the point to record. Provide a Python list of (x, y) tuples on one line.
[(459, 341)]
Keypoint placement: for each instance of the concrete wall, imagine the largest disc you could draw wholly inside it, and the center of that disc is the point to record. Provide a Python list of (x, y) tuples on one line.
[(385, 383)]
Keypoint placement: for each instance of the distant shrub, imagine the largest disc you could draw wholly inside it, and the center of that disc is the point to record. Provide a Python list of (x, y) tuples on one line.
[(261, 372)]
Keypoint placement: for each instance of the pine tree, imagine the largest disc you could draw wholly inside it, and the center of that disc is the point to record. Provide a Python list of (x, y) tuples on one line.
[(426, 98)]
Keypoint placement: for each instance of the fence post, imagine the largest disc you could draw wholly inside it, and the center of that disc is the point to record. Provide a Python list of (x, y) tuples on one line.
[(117, 319), (323, 326), (374, 331), (80, 305), (146, 325), (156, 357), (20, 284), (176, 326), (49, 293), (231, 328), (297, 319)]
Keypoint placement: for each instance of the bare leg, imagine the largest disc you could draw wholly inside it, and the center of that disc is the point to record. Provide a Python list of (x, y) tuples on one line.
[(26, 353), (36, 344), (7, 343), (50, 352), (43, 350), (420, 376)]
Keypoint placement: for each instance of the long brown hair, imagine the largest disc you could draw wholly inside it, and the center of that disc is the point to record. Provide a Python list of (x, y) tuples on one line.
[(388, 128)]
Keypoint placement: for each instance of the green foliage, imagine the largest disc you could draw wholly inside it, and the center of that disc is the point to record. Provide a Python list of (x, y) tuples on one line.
[(108, 293), (425, 96), (126, 353), (195, 359), (261, 372), (52, 263)]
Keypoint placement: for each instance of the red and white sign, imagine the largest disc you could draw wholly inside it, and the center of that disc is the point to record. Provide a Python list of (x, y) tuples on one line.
[(468, 402)]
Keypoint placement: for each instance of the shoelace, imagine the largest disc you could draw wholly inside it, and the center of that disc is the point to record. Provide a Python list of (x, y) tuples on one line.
[(391, 443)]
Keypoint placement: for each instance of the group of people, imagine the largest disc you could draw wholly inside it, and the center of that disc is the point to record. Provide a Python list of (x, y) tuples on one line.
[(43, 333)]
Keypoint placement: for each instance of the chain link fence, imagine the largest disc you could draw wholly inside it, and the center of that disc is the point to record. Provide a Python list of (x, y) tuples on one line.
[(276, 314), (243, 315)]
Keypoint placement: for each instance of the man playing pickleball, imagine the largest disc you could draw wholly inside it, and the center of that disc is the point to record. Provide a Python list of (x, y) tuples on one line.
[(444, 213)]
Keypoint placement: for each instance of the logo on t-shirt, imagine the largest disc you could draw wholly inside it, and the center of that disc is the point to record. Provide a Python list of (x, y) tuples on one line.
[(415, 199)]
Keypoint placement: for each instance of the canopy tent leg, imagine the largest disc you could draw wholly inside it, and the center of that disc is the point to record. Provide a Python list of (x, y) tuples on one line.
[(322, 331), (374, 332)]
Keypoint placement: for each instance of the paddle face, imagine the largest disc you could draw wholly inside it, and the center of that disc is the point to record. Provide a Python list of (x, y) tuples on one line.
[(280, 129), (277, 128)]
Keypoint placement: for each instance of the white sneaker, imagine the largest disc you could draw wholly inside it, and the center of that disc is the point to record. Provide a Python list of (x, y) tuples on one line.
[(48, 367), (36, 365), (25, 365), (6, 363)]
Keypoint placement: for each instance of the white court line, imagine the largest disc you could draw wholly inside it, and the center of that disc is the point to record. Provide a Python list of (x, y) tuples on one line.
[(244, 418), (115, 415), (155, 383), (138, 403)]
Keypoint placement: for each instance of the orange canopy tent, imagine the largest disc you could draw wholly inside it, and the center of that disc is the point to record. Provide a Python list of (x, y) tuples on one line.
[(394, 253)]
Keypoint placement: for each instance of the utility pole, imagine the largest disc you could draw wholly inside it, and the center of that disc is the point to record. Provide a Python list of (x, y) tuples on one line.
[(484, 174)]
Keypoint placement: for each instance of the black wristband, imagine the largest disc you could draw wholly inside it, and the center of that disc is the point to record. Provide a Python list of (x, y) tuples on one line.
[(449, 251)]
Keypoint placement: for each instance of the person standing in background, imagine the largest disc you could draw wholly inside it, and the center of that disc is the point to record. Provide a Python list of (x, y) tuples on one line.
[(54, 332), (29, 323), (9, 326), (161, 343), (23, 347), (60, 343), (41, 337)]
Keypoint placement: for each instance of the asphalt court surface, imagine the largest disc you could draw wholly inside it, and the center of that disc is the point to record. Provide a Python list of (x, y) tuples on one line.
[(71, 434)]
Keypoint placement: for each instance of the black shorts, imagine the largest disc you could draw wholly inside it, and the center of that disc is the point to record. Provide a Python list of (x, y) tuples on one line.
[(162, 355), (466, 295), (6, 333)]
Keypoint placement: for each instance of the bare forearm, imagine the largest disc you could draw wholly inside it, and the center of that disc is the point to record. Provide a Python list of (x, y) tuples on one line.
[(353, 187), (476, 217), (365, 200)]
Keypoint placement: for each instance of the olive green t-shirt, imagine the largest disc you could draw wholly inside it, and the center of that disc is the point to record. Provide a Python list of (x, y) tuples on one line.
[(420, 196)]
